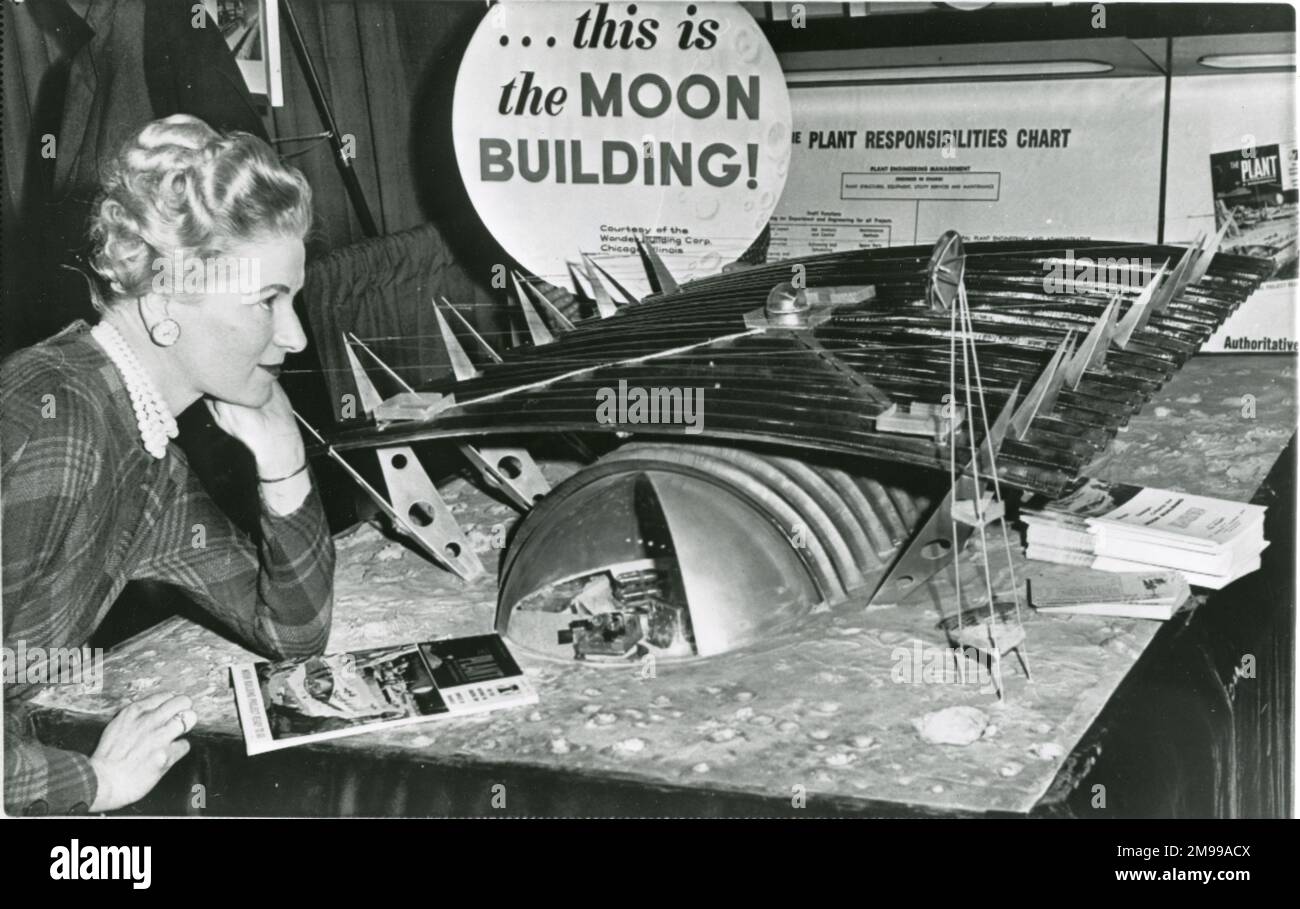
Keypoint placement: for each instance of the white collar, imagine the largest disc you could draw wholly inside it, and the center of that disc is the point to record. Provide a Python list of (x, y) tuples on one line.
[(152, 418)]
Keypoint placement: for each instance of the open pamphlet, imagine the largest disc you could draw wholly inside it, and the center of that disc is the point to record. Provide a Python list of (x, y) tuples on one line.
[(1118, 527), (313, 699)]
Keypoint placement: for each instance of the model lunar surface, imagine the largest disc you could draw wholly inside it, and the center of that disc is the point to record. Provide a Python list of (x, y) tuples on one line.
[(785, 437)]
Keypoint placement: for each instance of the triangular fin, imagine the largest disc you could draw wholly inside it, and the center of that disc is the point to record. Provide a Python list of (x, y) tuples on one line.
[(1042, 396), (1092, 352), (1140, 310), (536, 327), (461, 365), (604, 303), (370, 398), (487, 348), (657, 273), (562, 322)]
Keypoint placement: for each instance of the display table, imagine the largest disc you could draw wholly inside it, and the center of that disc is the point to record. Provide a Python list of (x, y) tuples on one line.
[(1121, 717)]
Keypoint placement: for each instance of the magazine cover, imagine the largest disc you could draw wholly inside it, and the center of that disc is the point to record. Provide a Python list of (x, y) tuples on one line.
[(1254, 190), (312, 699)]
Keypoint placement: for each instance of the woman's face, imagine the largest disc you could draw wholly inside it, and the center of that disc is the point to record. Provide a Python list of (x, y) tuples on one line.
[(235, 335)]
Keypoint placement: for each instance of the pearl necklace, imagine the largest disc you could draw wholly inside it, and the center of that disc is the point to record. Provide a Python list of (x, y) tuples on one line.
[(152, 418)]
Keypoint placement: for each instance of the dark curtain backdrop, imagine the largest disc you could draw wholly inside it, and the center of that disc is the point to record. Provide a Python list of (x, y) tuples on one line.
[(388, 68), (39, 41)]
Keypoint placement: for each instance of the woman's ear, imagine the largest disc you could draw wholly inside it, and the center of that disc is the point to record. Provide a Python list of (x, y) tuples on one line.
[(154, 307)]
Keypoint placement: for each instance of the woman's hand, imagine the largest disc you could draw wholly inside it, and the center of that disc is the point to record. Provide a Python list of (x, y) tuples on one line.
[(271, 433), (138, 746)]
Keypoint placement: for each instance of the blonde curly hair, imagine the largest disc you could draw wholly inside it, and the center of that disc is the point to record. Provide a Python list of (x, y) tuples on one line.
[(179, 185)]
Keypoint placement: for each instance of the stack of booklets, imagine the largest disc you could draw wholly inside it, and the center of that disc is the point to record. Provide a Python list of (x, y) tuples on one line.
[(1136, 595), (312, 699), (1118, 527)]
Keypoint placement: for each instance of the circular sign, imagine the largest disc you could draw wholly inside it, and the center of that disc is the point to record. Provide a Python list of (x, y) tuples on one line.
[(581, 127)]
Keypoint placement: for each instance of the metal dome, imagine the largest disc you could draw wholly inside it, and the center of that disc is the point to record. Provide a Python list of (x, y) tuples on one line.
[(740, 545)]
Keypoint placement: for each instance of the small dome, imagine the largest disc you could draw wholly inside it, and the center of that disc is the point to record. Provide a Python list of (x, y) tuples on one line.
[(636, 555)]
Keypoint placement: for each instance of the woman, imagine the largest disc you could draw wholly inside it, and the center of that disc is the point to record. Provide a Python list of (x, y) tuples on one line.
[(198, 240)]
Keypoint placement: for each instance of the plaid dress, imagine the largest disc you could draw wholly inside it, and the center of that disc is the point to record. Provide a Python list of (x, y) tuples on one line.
[(84, 509)]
